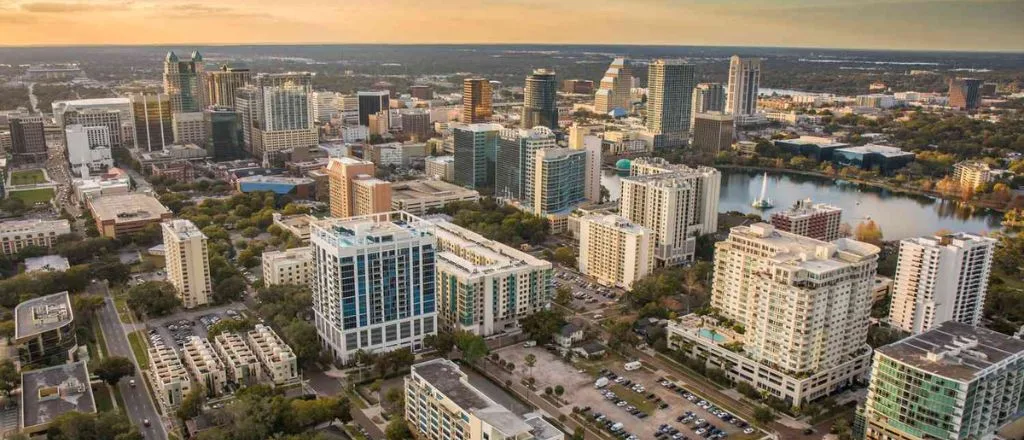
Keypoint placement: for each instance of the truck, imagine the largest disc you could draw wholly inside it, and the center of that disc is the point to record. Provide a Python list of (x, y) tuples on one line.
[(632, 366), (601, 382)]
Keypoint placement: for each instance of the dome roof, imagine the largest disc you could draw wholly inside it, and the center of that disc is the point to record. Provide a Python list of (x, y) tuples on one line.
[(623, 164)]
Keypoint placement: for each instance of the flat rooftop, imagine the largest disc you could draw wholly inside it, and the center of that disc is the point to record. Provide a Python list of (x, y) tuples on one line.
[(489, 256), (371, 229), (52, 263), (42, 314), (955, 351), (617, 222), (49, 392), (446, 377), (799, 251), (124, 208), (883, 150), (417, 190)]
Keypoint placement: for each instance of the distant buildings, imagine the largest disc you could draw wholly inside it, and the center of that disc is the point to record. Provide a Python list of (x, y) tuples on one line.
[(371, 103), (707, 98), (183, 82), (476, 148), (615, 87), (713, 132), (591, 145), (578, 86), (517, 150), (440, 167), (964, 93), (424, 92), (419, 197), (283, 113), (189, 128), (120, 214), (972, 174), (394, 308), (152, 120), (883, 158), (297, 187), (292, 266), (440, 399), (28, 138), (221, 84), (113, 113), (483, 286), (669, 97), (44, 330), (939, 279), (16, 235), (953, 382), (342, 171), (744, 82), (88, 149), (225, 134), (188, 264), (114, 181), (539, 100), (476, 100), (614, 250), (818, 221)]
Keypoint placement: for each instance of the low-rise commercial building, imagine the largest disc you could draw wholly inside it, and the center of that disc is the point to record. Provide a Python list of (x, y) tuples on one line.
[(297, 187), (440, 167), (171, 381), (297, 225), (883, 158), (442, 404), (44, 329), (48, 393), (240, 363), (417, 197), (292, 266), (114, 181), (277, 359), (15, 235), (120, 214), (206, 368)]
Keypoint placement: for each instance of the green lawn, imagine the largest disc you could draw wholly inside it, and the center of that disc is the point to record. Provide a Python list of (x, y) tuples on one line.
[(101, 342), (27, 177), (32, 196), (121, 305), (101, 393), (140, 348), (633, 398)]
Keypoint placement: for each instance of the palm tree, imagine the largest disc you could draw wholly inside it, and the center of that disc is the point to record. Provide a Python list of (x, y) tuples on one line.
[(531, 360)]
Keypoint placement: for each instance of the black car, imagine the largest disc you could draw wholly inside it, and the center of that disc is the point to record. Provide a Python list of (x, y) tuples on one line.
[(642, 415)]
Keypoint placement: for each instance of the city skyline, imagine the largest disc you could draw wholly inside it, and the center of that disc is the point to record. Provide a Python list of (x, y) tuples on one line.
[(979, 25)]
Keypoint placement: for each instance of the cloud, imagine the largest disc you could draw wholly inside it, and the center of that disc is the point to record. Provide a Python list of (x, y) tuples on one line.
[(67, 7)]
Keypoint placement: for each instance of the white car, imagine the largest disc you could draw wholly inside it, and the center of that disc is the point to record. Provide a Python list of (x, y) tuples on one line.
[(748, 431)]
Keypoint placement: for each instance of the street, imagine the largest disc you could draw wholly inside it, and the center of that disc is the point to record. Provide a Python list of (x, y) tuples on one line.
[(138, 403)]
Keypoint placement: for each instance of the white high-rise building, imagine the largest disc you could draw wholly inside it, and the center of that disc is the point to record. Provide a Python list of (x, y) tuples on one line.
[(373, 283), (614, 250), (188, 264), (664, 204), (614, 91), (706, 183), (592, 177), (483, 286), (744, 81), (939, 279), (88, 149)]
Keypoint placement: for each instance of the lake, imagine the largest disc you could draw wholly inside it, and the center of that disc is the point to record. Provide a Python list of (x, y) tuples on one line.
[(899, 215)]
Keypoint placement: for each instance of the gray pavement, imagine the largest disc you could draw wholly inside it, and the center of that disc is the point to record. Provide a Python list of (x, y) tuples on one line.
[(138, 403)]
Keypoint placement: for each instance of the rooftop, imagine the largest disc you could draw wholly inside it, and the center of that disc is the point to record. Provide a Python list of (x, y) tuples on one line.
[(446, 377), (480, 127), (414, 190), (955, 351), (276, 179), (441, 159), (33, 225), (787, 249), (371, 229), (617, 222), (52, 263), (476, 254), (42, 314), (805, 207), (883, 150), (131, 207), (49, 392), (183, 229)]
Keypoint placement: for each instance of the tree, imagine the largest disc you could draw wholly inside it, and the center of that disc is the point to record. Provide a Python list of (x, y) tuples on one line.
[(563, 295), (565, 256), (397, 429), (10, 378), (396, 398), (112, 369), (192, 403), (302, 337), (85, 307), (531, 360), (620, 334), (559, 390), (472, 346), (868, 232), (153, 298), (228, 290), (541, 325), (549, 391), (764, 415)]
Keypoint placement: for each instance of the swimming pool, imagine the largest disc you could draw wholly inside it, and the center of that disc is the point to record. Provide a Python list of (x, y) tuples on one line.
[(705, 333)]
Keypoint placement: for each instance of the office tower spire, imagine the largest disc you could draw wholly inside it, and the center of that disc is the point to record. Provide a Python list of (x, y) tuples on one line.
[(183, 82)]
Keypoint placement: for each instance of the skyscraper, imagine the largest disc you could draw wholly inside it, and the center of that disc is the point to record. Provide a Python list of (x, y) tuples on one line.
[(476, 148), (246, 103), (476, 100), (371, 103), (614, 250), (939, 279), (113, 113), (183, 82), (713, 132), (373, 283), (516, 148), (188, 265), (669, 97), (708, 97), (152, 118), (28, 138), (744, 81), (540, 100), (558, 183), (964, 93), (224, 128), (581, 139), (342, 171), (615, 87), (953, 382), (706, 182), (663, 203), (285, 114), (221, 85)]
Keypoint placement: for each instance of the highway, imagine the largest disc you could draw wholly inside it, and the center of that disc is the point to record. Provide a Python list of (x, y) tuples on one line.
[(138, 403)]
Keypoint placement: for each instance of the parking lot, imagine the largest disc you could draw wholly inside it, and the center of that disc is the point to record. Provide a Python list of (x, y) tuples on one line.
[(633, 402), (175, 330), (587, 294)]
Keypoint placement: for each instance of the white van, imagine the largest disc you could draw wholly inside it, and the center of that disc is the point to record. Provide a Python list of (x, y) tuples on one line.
[(530, 343), (632, 366)]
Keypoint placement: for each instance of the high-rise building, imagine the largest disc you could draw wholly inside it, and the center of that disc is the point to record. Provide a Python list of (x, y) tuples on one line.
[(939, 279), (28, 138), (581, 139), (972, 174), (476, 100), (420, 91), (222, 83), (416, 124), (113, 113), (744, 81), (476, 148), (246, 103), (664, 204), (713, 132), (285, 114), (708, 97), (483, 286), (225, 140), (440, 400), (540, 99), (188, 264), (371, 103), (669, 97), (154, 129), (183, 82), (706, 182), (953, 382), (964, 93), (815, 220), (516, 148), (342, 171), (370, 195), (558, 183), (614, 250), (373, 283), (88, 149), (804, 305), (615, 87), (189, 128)]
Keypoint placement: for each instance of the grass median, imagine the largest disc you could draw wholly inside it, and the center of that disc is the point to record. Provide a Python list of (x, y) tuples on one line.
[(140, 348)]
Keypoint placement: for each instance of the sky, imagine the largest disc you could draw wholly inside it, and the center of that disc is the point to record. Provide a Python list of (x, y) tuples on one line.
[(985, 25)]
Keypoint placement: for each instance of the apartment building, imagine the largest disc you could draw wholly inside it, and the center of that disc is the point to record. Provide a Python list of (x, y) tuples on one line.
[(440, 167), (44, 329), (241, 366), (341, 172), (170, 379), (941, 278), (952, 382), (483, 286), (370, 195), (815, 220), (276, 358), (15, 235), (205, 366), (706, 183), (441, 404), (663, 203), (972, 174), (614, 250), (188, 262), (292, 266)]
